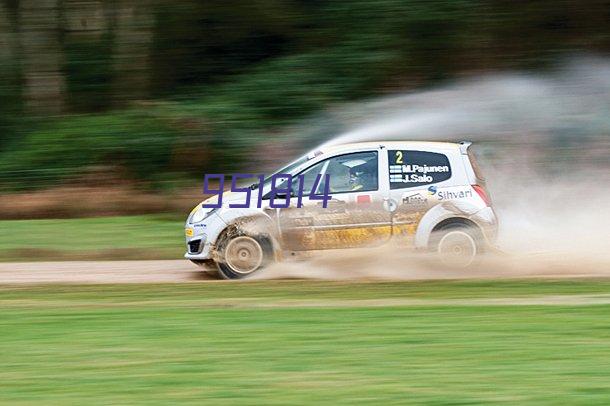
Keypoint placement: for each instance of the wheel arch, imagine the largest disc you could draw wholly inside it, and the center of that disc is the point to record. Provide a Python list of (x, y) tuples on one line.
[(463, 221), (441, 216), (257, 225)]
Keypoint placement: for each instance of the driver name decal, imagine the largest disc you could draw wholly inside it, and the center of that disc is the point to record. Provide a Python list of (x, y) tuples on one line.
[(417, 168)]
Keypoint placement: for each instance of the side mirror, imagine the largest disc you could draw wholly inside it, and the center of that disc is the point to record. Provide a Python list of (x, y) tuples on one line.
[(282, 195), (279, 195)]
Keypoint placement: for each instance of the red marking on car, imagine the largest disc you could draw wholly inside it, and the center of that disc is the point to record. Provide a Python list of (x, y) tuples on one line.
[(363, 199), (483, 194)]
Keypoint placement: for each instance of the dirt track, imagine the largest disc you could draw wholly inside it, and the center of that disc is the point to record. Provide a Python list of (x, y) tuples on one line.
[(100, 272), (182, 271)]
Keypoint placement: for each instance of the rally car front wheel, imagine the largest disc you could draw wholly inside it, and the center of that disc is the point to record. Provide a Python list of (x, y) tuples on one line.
[(242, 255)]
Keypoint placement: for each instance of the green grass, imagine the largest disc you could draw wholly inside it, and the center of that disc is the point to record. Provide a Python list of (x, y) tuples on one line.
[(315, 342), (125, 237)]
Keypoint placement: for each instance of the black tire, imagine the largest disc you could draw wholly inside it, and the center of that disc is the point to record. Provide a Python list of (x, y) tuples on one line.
[(456, 245), (242, 255), (207, 265)]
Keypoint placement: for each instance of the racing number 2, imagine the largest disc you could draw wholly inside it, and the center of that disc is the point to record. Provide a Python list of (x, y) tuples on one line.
[(399, 157)]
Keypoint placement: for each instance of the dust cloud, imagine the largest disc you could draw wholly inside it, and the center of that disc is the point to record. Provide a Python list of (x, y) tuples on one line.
[(543, 142)]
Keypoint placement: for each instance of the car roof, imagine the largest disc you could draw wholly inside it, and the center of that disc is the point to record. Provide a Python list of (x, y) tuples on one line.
[(415, 145)]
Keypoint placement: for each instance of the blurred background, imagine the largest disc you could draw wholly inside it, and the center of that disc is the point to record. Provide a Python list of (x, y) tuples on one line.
[(117, 108)]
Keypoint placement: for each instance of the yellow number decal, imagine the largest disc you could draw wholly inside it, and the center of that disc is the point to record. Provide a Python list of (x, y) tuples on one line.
[(399, 157)]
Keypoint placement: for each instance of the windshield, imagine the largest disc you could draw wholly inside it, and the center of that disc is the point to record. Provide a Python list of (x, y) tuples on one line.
[(286, 169)]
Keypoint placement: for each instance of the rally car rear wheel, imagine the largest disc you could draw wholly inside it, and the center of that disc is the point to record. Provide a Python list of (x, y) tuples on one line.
[(241, 256), (457, 246)]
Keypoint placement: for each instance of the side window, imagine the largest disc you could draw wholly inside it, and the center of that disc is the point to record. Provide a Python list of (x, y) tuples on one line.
[(417, 168), (357, 172), (309, 179)]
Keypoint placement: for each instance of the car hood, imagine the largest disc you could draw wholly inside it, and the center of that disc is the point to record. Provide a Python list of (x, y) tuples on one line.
[(227, 197)]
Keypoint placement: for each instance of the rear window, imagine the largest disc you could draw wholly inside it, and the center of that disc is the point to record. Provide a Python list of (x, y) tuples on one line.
[(417, 168)]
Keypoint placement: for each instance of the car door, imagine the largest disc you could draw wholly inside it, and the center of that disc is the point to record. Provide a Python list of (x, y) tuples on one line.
[(355, 215), (412, 178)]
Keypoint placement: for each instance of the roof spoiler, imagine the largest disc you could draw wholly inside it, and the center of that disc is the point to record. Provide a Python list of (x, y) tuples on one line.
[(464, 145)]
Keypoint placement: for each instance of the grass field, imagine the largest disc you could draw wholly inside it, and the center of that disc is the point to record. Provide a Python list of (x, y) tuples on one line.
[(125, 237), (305, 343)]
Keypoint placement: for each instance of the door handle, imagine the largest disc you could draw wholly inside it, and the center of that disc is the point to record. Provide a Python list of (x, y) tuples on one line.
[(390, 204), (334, 202)]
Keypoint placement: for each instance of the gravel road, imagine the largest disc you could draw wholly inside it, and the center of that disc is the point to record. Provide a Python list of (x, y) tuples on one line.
[(341, 268)]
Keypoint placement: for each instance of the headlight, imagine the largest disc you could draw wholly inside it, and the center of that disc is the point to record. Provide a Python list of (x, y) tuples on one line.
[(200, 214)]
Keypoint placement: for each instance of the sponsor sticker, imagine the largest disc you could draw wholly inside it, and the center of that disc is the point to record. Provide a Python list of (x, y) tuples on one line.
[(188, 232), (415, 201), (454, 194), (451, 194)]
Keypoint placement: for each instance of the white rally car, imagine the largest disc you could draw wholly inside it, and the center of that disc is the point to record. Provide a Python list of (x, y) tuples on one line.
[(425, 195)]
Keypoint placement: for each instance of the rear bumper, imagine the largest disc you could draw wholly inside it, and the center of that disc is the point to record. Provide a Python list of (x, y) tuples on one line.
[(487, 221)]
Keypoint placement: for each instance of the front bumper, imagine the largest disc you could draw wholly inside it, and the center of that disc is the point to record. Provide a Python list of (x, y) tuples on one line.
[(204, 252), (200, 237), (197, 244)]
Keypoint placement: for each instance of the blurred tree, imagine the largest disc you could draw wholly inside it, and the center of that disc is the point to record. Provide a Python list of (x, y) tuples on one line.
[(203, 42), (8, 38), (87, 44), (237, 71), (9, 75), (42, 56), (132, 24)]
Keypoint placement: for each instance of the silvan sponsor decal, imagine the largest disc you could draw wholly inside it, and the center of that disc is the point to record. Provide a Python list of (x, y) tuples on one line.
[(449, 194)]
